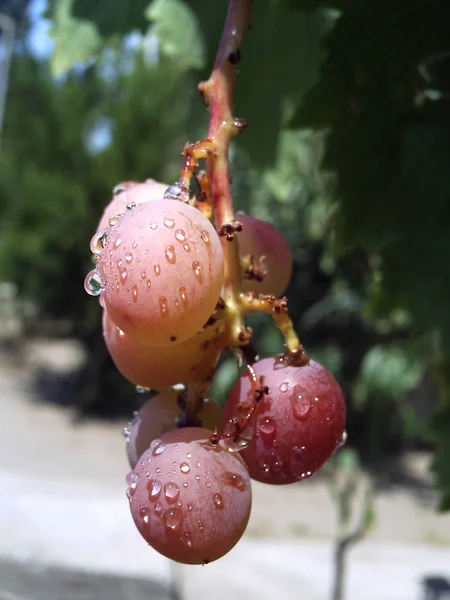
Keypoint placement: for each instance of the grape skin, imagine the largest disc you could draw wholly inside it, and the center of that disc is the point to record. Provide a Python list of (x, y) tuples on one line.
[(162, 269), (136, 192), (159, 415), (297, 426), (260, 238), (159, 367), (198, 522)]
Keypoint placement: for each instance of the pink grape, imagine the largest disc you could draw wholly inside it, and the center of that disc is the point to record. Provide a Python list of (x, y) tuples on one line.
[(159, 415), (162, 270), (190, 500), (129, 193), (297, 426), (159, 367), (271, 251)]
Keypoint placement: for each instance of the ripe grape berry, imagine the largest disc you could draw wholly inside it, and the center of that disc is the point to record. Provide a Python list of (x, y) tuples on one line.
[(159, 367), (190, 500), (297, 426), (162, 271), (161, 414), (271, 253)]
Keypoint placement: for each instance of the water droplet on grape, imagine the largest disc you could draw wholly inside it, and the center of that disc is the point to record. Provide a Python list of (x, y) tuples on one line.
[(157, 447), (128, 257), (149, 285), (173, 518), (284, 386), (154, 487), (183, 296), (184, 467), (171, 492), (218, 501), (170, 255), (185, 484), (234, 480), (187, 539), (143, 511), (134, 292), (300, 404), (143, 275), (118, 242), (141, 389), (98, 242), (267, 428), (168, 222), (131, 205), (299, 457), (186, 247), (163, 306), (93, 283), (188, 455), (197, 477), (132, 478), (157, 270), (134, 245), (264, 468), (198, 272), (130, 492), (114, 220), (208, 484), (158, 508), (176, 192), (180, 235), (119, 188), (153, 226), (205, 236)]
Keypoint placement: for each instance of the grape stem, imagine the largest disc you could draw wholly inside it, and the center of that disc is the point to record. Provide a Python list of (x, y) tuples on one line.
[(218, 94)]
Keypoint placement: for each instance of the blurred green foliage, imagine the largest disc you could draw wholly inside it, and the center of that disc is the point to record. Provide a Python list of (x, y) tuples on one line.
[(347, 152)]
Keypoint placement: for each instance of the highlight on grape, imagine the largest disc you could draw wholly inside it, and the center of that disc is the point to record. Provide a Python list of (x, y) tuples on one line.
[(176, 273)]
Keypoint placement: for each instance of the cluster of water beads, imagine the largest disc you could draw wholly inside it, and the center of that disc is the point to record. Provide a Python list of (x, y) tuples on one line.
[(176, 192)]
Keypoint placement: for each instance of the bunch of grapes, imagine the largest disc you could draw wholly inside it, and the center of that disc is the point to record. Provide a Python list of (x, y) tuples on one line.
[(163, 279)]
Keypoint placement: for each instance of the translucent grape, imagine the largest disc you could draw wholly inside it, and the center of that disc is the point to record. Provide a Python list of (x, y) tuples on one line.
[(271, 252), (159, 415), (297, 426), (190, 500), (158, 367), (128, 194), (157, 288)]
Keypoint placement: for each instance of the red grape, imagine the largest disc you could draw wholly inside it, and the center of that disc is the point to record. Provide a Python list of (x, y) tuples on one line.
[(159, 415), (271, 251), (162, 271), (190, 500), (297, 426), (129, 193), (158, 367)]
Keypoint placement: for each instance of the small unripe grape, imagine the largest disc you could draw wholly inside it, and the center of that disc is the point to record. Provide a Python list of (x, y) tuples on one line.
[(296, 427), (159, 367), (161, 414), (162, 271), (129, 194), (190, 500), (271, 251)]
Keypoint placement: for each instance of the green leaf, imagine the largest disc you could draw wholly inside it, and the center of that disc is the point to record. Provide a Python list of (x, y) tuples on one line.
[(388, 371), (177, 30), (112, 16), (440, 434), (76, 41)]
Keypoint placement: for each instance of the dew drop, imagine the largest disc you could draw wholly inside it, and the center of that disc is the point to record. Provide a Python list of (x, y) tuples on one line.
[(185, 484), (184, 467), (158, 508), (119, 188), (149, 285), (234, 480), (98, 242), (134, 245), (114, 220), (197, 477), (187, 539), (163, 306), (131, 205), (284, 386), (205, 236), (157, 447), (218, 501), (186, 247), (171, 492), (183, 296), (143, 511), (128, 257), (132, 478), (300, 404), (154, 489), (153, 226), (267, 428), (170, 255), (118, 242), (299, 458), (173, 518), (143, 275), (176, 192), (190, 506), (264, 468), (208, 484), (134, 293), (131, 489), (141, 389), (157, 270), (168, 222), (180, 235), (343, 439), (93, 283), (198, 271), (188, 455)]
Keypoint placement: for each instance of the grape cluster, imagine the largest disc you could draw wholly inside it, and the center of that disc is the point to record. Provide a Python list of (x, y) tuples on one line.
[(159, 275)]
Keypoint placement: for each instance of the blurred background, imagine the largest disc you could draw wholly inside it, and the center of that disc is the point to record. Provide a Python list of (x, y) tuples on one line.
[(347, 153)]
